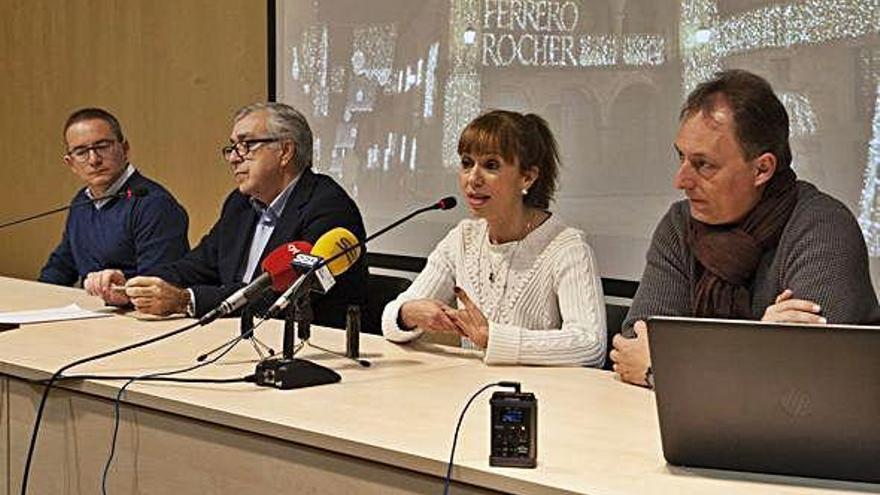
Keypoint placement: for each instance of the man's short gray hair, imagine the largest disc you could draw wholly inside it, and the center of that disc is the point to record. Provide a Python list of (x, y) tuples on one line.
[(285, 121)]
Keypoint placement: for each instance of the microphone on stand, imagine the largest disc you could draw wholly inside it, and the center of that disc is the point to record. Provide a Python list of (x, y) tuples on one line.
[(288, 372), (333, 254), (278, 273), (347, 244), (137, 192)]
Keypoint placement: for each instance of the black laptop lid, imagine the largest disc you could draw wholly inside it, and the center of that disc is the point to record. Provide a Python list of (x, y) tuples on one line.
[(776, 398)]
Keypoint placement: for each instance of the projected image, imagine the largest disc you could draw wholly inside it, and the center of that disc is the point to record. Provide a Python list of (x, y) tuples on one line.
[(388, 85)]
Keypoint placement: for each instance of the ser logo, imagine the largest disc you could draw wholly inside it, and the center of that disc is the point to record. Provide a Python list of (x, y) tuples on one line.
[(346, 243)]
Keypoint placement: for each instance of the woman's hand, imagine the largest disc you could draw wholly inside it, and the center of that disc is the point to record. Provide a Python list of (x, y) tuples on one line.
[(427, 314), (469, 320)]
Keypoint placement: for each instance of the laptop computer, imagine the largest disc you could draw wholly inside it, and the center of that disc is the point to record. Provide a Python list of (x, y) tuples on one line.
[(768, 397)]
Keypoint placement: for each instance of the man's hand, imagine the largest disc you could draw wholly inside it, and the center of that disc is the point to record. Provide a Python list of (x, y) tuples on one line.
[(155, 296), (428, 315), (469, 320), (108, 285), (786, 309), (631, 356)]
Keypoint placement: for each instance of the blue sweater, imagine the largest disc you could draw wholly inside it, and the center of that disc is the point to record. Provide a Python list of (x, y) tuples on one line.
[(131, 234)]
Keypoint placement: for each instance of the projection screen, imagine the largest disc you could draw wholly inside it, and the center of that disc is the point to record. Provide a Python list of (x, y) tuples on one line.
[(388, 85)]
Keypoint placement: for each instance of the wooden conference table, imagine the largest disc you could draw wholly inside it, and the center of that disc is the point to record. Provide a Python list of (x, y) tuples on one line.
[(384, 429)]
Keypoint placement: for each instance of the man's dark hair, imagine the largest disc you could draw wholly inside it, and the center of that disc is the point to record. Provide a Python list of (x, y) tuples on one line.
[(760, 119), (84, 114)]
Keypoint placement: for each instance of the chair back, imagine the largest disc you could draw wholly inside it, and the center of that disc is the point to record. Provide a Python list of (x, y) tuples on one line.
[(614, 316), (382, 289)]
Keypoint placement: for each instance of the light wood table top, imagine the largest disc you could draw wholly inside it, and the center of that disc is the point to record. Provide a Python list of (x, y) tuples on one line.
[(596, 435)]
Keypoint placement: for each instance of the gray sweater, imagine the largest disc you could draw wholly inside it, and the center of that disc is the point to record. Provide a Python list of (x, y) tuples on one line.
[(821, 257)]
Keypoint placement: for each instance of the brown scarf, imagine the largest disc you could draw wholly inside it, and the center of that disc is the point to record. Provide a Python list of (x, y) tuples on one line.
[(727, 256)]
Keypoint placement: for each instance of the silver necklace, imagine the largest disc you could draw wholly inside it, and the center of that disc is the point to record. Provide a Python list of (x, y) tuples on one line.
[(493, 269)]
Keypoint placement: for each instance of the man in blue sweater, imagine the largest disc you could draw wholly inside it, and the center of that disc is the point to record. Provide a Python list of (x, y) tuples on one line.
[(132, 233)]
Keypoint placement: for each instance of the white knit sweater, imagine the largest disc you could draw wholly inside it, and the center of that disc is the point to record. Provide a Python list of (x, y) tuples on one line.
[(542, 295)]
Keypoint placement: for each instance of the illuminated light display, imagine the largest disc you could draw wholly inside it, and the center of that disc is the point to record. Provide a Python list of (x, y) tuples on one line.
[(462, 91), (295, 70), (431, 81), (412, 154), (373, 52), (869, 206), (542, 33), (809, 22), (774, 26), (337, 79), (802, 118), (407, 78), (551, 50)]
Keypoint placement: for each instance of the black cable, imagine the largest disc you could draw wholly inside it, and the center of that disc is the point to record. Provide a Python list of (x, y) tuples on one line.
[(448, 479), (156, 379), (116, 413), (57, 374), (150, 376)]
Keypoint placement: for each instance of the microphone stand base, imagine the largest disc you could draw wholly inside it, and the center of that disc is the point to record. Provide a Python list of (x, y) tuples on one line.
[(261, 348), (286, 374), (8, 326)]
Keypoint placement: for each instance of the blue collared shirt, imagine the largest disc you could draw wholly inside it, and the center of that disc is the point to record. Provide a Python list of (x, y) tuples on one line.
[(269, 217), (113, 189)]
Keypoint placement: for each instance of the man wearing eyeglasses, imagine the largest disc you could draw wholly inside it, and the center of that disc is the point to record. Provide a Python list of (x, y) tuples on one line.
[(133, 234), (279, 199)]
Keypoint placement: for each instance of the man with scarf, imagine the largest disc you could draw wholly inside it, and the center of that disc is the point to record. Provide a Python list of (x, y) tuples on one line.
[(751, 241)]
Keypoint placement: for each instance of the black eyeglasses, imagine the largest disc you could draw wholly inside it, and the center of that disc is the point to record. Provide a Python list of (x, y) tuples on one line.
[(81, 154), (245, 148)]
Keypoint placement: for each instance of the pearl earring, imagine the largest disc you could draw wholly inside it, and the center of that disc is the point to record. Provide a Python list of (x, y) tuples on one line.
[(525, 191)]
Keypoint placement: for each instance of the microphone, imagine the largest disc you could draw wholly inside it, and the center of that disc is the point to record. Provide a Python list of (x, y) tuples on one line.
[(332, 255), (338, 244), (129, 193), (446, 203), (278, 273), (282, 302)]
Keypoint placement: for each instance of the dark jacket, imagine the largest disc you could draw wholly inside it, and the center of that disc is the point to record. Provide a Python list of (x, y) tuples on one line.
[(317, 204)]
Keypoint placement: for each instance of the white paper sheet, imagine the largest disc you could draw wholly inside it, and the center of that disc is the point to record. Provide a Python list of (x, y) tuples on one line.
[(71, 312)]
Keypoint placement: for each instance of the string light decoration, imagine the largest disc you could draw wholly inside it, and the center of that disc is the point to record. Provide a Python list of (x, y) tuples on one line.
[(430, 87), (462, 92), (316, 52), (869, 206), (642, 49), (605, 50), (801, 117), (806, 22), (373, 51), (372, 58)]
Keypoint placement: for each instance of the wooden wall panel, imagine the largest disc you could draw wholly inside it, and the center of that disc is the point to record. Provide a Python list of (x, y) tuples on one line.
[(172, 71), (4, 435)]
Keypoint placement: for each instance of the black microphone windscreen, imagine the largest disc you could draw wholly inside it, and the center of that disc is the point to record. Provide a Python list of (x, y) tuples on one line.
[(138, 192), (447, 203)]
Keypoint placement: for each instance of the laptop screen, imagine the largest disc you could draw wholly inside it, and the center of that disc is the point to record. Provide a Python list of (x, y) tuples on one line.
[(768, 397)]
